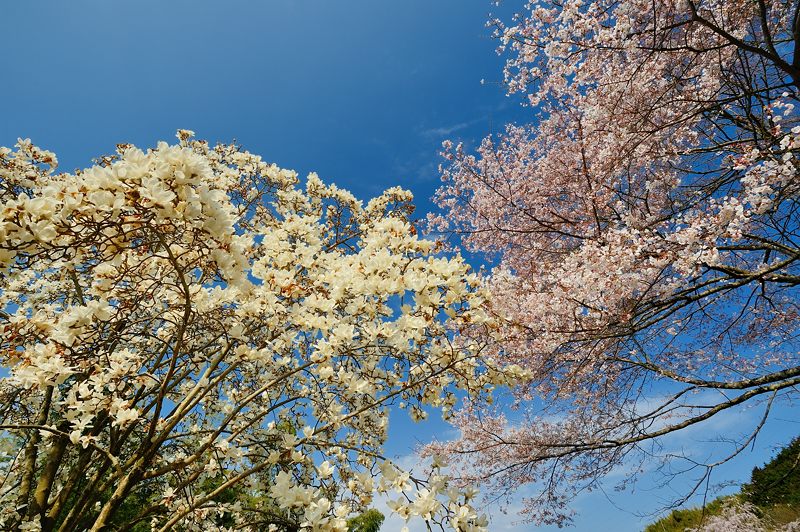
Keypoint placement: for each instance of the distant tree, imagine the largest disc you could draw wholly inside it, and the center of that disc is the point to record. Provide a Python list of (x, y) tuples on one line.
[(646, 228), (740, 516), (190, 340), (778, 481), (369, 521), (735, 517)]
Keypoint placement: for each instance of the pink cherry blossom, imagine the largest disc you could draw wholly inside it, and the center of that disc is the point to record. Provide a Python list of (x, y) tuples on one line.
[(644, 229)]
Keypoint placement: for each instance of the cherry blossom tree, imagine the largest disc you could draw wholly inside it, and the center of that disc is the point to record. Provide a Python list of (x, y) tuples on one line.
[(742, 517), (645, 228), (190, 339)]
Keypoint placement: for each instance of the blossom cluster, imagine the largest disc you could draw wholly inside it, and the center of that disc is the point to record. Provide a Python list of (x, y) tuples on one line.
[(643, 225), (191, 338)]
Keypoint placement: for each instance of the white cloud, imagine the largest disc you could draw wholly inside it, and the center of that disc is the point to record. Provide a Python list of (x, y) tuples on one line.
[(446, 130)]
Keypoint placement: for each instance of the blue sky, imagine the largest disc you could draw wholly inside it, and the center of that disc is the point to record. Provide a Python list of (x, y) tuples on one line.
[(363, 92), (360, 91)]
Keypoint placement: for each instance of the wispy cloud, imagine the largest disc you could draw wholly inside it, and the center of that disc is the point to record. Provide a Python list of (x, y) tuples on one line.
[(446, 130)]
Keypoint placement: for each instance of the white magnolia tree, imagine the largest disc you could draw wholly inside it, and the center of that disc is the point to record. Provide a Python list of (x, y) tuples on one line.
[(191, 340)]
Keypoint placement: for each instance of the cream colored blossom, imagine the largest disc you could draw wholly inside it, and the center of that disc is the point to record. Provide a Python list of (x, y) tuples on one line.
[(188, 312)]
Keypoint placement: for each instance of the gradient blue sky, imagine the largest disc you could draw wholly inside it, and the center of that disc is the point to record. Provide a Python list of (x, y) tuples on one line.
[(360, 91)]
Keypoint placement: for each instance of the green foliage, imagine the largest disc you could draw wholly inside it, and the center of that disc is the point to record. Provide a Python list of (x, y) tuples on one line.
[(680, 520), (782, 514), (778, 482), (133, 505), (369, 521), (131, 508)]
